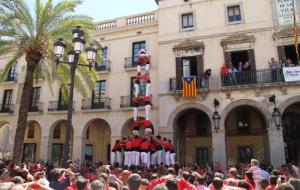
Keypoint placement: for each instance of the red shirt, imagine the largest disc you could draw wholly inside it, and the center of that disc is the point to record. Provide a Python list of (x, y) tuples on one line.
[(128, 145), (145, 145), (136, 142), (143, 59), (224, 70)]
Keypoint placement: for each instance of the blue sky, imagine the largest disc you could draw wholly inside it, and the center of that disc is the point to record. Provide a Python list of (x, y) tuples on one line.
[(107, 9)]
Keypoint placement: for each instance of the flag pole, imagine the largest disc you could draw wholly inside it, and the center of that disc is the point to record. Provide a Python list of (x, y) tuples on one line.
[(295, 32)]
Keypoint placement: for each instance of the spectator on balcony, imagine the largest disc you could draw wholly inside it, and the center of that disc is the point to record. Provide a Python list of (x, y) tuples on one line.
[(247, 66), (289, 63), (224, 74), (232, 74), (205, 78), (274, 67), (240, 67)]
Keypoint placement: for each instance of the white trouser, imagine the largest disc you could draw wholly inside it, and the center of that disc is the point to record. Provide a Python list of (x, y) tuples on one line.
[(138, 68), (148, 112), (113, 158), (135, 113), (147, 68), (148, 89), (137, 89), (167, 158), (145, 159), (172, 158), (127, 159), (154, 159), (136, 158), (119, 157), (159, 157)]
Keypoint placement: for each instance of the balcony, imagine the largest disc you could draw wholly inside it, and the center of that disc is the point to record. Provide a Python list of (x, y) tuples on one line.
[(104, 67), (127, 102), (91, 104), (37, 107), (263, 77), (6, 108), (58, 106), (12, 77), (202, 83), (129, 64)]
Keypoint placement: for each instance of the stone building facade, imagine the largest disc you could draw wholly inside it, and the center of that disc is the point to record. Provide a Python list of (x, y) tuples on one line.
[(184, 38)]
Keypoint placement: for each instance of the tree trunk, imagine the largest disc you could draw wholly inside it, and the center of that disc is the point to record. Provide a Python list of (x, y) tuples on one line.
[(23, 113)]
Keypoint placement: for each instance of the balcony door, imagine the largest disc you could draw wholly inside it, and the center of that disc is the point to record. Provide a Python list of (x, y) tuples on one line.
[(7, 98), (35, 98), (62, 101), (136, 47), (99, 94)]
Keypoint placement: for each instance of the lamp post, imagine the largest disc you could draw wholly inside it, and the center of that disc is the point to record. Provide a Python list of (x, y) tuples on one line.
[(276, 115), (59, 48), (216, 116)]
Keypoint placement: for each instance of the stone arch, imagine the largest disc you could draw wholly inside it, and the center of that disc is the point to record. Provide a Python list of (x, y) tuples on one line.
[(285, 104), (258, 106), (99, 144), (51, 140), (33, 144), (128, 126), (180, 109)]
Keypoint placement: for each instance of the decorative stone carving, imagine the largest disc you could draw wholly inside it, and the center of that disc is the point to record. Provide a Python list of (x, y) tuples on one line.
[(285, 32), (189, 48), (237, 41)]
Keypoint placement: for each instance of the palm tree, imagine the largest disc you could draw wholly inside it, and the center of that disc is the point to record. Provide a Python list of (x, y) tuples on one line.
[(31, 34)]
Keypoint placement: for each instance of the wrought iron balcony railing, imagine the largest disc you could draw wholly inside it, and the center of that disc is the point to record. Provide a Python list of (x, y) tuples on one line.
[(129, 63), (6, 108), (246, 78), (127, 102), (105, 66), (59, 106), (12, 77), (201, 83), (99, 103), (37, 107)]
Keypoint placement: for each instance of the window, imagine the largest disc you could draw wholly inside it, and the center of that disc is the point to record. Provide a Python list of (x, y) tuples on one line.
[(30, 133), (187, 20), (35, 97), (104, 53), (99, 91), (245, 154), (56, 132), (136, 47), (88, 154), (7, 98), (57, 152), (87, 135), (234, 13), (11, 76), (62, 101), (242, 116), (189, 66), (142, 88), (202, 156), (29, 152)]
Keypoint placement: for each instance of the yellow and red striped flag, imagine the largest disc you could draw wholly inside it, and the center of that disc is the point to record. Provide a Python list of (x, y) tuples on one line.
[(189, 87)]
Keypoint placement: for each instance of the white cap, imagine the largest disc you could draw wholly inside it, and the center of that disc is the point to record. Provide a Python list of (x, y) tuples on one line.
[(143, 51)]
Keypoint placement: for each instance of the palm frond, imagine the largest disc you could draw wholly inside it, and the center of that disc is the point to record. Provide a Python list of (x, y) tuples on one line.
[(12, 62)]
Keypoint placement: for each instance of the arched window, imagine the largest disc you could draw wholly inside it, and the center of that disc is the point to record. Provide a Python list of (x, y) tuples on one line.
[(30, 134), (56, 132)]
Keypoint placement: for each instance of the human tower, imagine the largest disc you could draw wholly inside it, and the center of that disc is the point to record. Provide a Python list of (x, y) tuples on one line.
[(150, 150)]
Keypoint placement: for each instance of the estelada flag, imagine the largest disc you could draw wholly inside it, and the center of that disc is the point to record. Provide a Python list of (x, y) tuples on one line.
[(189, 87)]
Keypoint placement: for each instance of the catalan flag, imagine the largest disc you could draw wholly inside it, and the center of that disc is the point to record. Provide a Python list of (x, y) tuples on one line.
[(189, 87)]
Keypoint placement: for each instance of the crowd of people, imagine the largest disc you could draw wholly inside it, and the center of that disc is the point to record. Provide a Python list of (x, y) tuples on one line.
[(102, 176)]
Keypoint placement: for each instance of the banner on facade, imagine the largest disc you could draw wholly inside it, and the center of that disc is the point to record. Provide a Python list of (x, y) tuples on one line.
[(285, 11), (291, 74)]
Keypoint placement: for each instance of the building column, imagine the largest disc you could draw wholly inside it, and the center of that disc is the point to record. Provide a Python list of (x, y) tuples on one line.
[(276, 147), (78, 149), (44, 148), (219, 148)]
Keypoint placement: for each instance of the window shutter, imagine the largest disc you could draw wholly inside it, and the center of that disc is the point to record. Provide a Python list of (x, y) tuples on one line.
[(179, 70), (252, 59), (281, 53), (227, 57), (200, 66)]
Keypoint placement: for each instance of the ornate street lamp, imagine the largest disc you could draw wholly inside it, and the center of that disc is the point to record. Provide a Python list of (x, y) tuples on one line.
[(216, 116), (276, 115), (73, 57)]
